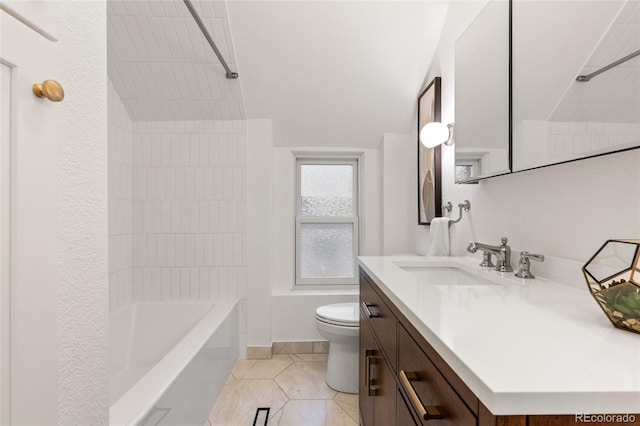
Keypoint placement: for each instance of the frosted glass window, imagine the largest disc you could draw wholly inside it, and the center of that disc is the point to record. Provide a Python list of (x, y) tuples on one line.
[(326, 220), (326, 250), (326, 190)]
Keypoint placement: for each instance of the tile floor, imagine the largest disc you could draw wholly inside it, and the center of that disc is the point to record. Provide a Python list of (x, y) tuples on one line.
[(292, 385)]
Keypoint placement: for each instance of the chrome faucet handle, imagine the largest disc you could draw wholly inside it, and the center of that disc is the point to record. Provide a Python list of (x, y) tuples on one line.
[(486, 260), (504, 264), (524, 265)]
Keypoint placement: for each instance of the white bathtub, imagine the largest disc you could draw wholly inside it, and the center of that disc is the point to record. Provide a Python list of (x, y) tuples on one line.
[(168, 361)]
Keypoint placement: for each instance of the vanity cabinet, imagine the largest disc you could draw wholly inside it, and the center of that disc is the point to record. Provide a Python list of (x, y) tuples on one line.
[(428, 392), (377, 386), (399, 384), (404, 381)]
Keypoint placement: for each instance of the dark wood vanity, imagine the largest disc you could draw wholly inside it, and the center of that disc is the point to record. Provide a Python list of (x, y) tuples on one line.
[(404, 381)]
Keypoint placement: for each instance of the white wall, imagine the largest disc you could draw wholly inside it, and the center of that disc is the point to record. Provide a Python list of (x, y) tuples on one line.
[(82, 154), (120, 142), (566, 211), (189, 210), (301, 303), (272, 293), (399, 192), (284, 187), (259, 232)]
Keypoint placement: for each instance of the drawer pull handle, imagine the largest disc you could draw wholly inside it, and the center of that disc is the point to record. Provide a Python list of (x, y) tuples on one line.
[(365, 306), (368, 354), (373, 390), (430, 412)]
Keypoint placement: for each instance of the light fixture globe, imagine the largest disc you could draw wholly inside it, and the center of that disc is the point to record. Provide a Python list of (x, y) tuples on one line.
[(613, 277), (435, 133)]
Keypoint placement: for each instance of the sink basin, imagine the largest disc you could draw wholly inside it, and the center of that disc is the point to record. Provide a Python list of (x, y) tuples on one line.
[(446, 276)]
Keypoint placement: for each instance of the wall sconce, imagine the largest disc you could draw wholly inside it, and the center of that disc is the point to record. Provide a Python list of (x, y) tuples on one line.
[(436, 133)]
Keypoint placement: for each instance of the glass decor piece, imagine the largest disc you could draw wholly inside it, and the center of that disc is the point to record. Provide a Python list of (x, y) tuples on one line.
[(613, 277), (326, 190), (326, 250)]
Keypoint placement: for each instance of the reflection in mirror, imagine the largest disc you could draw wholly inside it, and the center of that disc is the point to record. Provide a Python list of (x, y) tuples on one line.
[(482, 95), (556, 117)]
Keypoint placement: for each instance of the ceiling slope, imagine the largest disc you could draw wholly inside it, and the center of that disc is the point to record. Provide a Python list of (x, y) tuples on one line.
[(334, 73), (162, 66)]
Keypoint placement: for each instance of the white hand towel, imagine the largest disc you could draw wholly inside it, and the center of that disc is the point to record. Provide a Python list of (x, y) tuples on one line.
[(439, 237)]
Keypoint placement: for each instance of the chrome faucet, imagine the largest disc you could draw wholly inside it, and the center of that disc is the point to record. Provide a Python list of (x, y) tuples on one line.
[(524, 265), (502, 253)]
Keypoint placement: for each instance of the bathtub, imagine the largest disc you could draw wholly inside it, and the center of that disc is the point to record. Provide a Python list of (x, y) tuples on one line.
[(168, 361)]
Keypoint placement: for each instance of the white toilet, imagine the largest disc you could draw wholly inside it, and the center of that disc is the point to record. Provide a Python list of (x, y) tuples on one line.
[(339, 324)]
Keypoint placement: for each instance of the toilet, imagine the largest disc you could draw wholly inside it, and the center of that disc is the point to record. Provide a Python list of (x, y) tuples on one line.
[(339, 324)]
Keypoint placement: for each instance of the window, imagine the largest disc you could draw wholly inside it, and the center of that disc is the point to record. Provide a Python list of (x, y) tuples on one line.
[(327, 220)]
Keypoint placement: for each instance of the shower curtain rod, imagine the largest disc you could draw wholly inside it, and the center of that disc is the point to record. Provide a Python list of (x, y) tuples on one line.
[(608, 67), (230, 74)]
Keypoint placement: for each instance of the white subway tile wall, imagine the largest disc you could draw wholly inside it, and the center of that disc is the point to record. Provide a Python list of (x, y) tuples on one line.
[(120, 162), (568, 140), (189, 210)]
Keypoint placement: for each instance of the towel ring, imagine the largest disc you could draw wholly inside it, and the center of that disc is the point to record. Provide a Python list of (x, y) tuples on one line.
[(446, 207), (465, 205)]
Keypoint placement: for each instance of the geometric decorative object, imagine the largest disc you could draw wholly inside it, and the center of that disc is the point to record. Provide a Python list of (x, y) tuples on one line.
[(613, 277)]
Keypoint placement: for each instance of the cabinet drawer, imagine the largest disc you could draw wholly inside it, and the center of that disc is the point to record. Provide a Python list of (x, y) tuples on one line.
[(403, 416), (382, 320), (426, 389)]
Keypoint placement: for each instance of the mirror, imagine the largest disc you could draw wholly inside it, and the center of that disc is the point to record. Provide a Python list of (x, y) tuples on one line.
[(575, 85), (557, 118), (482, 95)]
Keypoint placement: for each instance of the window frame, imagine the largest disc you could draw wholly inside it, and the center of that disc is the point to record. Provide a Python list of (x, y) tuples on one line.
[(329, 160)]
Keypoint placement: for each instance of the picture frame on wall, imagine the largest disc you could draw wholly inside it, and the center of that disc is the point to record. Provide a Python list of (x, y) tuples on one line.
[(429, 159)]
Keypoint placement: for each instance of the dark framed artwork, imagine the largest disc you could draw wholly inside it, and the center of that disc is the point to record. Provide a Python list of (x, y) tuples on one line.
[(429, 162)]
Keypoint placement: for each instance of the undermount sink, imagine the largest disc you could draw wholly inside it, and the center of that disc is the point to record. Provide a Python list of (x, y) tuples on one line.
[(446, 276)]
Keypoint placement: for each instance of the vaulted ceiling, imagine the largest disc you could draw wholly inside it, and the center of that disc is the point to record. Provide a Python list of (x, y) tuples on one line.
[(163, 68), (328, 73), (334, 73)]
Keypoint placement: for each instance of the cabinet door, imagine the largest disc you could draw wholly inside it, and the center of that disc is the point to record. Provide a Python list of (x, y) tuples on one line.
[(367, 348), (384, 403), (381, 318), (377, 384)]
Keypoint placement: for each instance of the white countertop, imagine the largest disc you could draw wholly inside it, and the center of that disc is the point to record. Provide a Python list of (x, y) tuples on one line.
[(522, 346)]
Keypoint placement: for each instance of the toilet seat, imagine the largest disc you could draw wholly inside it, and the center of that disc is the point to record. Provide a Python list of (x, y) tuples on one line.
[(340, 314)]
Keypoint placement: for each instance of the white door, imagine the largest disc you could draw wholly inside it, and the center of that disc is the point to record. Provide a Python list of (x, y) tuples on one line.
[(5, 235), (28, 231)]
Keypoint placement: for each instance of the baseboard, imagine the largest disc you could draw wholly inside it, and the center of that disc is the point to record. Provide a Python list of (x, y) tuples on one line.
[(266, 352), (259, 352), (319, 347)]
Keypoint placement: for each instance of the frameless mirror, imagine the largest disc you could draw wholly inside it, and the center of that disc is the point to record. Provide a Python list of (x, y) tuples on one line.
[(482, 95), (576, 80)]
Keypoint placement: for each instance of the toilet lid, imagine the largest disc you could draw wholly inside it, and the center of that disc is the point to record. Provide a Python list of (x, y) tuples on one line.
[(346, 314)]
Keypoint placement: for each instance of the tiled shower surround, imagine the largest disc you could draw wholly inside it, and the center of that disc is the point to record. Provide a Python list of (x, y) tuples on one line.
[(120, 162), (177, 199), (189, 210), (568, 140)]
